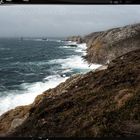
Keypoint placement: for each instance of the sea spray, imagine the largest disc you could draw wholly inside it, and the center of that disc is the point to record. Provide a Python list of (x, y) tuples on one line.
[(59, 70), (28, 93)]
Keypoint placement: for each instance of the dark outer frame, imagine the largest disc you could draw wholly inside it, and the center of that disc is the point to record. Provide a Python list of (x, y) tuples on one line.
[(69, 1)]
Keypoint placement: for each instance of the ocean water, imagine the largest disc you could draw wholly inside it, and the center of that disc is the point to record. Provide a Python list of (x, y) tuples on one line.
[(30, 66)]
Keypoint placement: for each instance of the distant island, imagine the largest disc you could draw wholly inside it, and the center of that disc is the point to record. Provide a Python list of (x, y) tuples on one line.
[(103, 102)]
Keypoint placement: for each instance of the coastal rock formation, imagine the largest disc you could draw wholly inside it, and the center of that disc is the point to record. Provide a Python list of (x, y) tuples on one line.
[(102, 47), (77, 39), (99, 103)]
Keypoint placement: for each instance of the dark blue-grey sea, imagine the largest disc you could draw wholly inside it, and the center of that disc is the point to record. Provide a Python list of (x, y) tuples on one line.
[(29, 66)]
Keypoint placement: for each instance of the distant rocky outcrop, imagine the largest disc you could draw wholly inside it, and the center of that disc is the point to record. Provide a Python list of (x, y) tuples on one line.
[(77, 39)]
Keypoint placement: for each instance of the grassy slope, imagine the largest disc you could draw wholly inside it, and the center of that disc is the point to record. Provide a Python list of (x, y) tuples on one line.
[(102, 103)]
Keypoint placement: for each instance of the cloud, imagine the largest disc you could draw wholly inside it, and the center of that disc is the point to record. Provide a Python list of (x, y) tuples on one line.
[(64, 20)]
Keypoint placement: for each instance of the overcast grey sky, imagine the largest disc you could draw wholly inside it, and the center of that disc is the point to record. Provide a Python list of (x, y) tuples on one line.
[(64, 20)]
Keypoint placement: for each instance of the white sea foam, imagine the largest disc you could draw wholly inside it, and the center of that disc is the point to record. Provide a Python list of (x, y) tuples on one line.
[(75, 61), (28, 93), (7, 58), (81, 48), (4, 49), (59, 40), (71, 43)]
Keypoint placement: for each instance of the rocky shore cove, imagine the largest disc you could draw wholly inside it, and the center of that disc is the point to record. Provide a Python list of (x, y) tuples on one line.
[(102, 102)]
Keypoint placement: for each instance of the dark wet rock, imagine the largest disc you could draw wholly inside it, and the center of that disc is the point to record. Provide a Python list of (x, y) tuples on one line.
[(73, 46)]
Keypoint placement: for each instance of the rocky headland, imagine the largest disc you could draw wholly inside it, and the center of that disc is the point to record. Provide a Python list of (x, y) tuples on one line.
[(77, 39), (103, 102), (104, 46)]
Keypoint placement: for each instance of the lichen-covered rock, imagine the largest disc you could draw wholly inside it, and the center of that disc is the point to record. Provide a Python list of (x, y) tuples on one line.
[(107, 45)]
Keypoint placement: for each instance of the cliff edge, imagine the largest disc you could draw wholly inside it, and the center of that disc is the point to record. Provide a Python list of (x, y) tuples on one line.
[(104, 46), (97, 104)]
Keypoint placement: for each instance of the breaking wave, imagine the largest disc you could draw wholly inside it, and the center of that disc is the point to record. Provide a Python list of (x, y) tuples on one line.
[(28, 91)]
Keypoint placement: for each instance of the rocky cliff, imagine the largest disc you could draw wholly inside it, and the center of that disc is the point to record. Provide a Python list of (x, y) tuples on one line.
[(105, 102), (77, 39), (104, 46)]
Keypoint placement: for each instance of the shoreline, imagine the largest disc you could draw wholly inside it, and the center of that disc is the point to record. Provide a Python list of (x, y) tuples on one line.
[(80, 101), (81, 47)]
